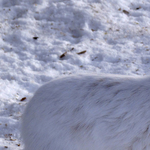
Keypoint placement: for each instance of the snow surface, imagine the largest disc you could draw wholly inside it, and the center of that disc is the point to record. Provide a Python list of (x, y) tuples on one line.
[(114, 35)]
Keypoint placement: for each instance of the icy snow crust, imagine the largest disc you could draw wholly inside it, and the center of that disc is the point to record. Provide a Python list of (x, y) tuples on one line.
[(114, 33)]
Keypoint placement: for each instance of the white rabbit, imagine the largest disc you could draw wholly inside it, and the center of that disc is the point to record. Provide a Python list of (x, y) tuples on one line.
[(89, 112)]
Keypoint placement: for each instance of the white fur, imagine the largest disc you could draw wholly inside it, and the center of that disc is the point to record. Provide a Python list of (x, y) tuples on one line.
[(89, 112)]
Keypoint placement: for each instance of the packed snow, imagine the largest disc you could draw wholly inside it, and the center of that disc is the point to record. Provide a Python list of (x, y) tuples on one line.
[(44, 39)]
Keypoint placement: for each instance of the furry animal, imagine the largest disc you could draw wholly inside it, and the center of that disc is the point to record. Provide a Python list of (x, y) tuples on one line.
[(89, 112)]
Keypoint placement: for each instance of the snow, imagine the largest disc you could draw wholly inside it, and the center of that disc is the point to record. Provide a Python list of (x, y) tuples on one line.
[(114, 35)]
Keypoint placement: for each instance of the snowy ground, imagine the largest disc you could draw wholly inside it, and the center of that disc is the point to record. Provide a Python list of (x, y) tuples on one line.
[(44, 39)]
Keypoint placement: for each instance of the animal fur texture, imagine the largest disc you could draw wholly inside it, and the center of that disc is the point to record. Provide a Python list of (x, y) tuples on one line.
[(89, 112)]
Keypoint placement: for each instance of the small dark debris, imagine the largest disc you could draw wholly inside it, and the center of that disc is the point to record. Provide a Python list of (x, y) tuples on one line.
[(18, 144), (5, 146), (24, 98), (81, 52), (94, 58), (138, 8), (126, 12), (72, 49), (119, 9), (93, 30), (12, 139), (74, 36), (35, 38), (63, 55)]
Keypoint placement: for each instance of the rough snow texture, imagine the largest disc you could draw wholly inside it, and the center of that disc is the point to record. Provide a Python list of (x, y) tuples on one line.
[(114, 33), (89, 112)]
